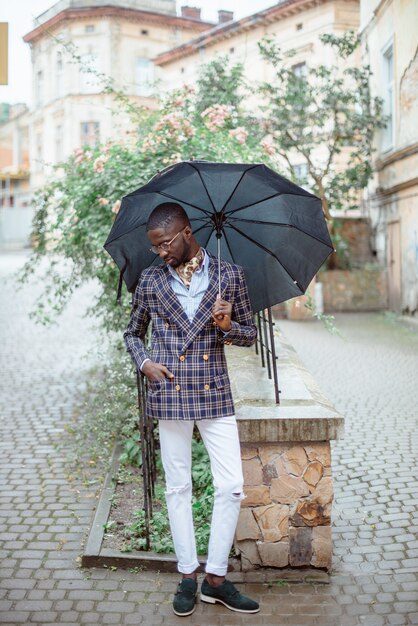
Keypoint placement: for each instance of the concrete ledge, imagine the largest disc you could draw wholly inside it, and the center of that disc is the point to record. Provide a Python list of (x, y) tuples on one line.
[(304, 413)]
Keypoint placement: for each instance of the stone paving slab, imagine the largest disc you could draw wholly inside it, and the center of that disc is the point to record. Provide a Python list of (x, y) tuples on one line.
[(371, 378)]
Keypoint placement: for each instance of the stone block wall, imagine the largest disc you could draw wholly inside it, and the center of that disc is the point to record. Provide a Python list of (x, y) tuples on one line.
[(354, 290), (285, 519)]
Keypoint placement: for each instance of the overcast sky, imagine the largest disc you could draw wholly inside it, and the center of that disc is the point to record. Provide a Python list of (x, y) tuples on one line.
[(20, 15)]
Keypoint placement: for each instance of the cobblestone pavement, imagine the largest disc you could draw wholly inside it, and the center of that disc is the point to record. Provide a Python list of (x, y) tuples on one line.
[(371, 376)]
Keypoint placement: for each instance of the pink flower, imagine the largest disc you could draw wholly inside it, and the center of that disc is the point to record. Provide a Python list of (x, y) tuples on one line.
[(103, 201), (268, 147), (178, 101), (116, 207), (216, 116), (240, 134), (99, 164)]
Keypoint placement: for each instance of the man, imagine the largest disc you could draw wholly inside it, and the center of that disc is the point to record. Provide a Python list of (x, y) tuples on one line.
[(188, 383)]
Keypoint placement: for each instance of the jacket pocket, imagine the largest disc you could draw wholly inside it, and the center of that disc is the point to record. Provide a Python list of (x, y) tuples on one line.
[(155, 385), (221, 381)]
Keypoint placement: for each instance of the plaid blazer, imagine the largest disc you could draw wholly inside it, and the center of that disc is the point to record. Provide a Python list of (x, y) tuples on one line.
[(192, 351)]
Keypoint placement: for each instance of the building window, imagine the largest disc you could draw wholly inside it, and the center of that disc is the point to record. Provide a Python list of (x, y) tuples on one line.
[(182, 70), (89, 74), (301, 172), (388, 98), (90, 133), (300, 69), (144, 75), (39, 88), (59, 75), (231, 50), (59, 144), (89, 28), (144, 32), (299, 26)]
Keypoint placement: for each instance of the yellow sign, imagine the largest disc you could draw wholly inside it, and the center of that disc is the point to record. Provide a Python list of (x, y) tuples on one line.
[(4, 53)]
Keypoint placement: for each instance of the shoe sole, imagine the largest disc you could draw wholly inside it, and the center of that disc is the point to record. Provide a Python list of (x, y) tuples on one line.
[(185, 614), (211, 600)]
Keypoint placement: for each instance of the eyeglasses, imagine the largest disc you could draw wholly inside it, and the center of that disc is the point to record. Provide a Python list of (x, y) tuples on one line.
[(165, 245)]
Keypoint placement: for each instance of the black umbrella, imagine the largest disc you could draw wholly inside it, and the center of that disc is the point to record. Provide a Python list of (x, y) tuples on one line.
[(246, 213)]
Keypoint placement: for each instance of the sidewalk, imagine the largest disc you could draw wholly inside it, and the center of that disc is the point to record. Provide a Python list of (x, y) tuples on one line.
[(371, 377)]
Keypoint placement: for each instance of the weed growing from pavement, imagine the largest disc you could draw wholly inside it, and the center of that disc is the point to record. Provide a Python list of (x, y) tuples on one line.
[(327, 320), (280, 582)]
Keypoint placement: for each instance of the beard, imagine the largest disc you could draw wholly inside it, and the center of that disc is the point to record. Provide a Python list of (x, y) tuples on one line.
[(183, 257)]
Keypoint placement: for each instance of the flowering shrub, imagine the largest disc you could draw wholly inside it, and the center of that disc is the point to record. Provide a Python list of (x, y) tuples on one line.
[(216, 116), (240, 134), (76, 209)]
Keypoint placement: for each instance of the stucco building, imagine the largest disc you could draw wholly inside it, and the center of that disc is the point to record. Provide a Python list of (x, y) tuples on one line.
[(77, 47), (390, 44), (295, 24)]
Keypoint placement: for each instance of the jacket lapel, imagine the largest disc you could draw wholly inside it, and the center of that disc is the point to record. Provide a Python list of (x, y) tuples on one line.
[(171, 303), (204, 311)]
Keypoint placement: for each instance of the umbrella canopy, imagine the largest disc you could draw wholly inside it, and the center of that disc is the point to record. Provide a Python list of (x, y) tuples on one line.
[(271, 227)]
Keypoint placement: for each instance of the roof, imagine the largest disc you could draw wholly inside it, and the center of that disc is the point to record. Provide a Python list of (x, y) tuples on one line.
[(113, 11), (282, 9)]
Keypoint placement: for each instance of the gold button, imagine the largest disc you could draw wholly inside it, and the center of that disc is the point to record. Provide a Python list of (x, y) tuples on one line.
[(228, 343), (177, 387), (207, 387), (205, 357), (182, 357)]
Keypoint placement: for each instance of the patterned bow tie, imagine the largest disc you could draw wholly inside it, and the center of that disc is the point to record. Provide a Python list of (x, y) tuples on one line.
[(185, 270)]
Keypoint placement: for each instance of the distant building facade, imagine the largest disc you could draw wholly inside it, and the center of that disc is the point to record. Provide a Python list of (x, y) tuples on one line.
[(15, 195), (73, 44), (390, 45), (295, 24)]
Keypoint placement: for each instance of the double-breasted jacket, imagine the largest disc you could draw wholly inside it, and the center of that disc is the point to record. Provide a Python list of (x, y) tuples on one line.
[(192, 350)]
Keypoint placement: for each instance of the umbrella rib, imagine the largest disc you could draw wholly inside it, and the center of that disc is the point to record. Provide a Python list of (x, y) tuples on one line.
[(200, 228), (228, 245), (275, 195), (238, 219), (247, 221), (259, 245), (241, 208), (204, 185), (167, 195), (235, 188)]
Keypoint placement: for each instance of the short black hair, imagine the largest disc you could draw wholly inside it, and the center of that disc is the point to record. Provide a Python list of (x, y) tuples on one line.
[(165, 214)]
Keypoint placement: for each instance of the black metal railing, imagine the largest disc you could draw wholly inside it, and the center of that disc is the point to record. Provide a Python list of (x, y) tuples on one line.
[(266, 349), (149, 469)]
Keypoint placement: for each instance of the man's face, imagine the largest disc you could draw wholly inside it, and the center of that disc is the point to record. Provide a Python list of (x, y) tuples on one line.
[(179, 249)]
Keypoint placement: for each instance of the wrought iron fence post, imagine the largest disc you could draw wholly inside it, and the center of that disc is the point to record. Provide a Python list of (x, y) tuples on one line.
[(266, 349), (146, 430)]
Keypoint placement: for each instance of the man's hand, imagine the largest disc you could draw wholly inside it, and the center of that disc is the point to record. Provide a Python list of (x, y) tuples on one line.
[(156, 371), (221, 314)]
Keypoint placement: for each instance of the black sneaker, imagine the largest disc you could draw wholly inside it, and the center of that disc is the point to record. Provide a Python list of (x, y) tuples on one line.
[(184, 602), (228, 595)]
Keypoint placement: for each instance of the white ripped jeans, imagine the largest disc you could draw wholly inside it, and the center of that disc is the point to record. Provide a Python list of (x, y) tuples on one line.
[(220, 437)]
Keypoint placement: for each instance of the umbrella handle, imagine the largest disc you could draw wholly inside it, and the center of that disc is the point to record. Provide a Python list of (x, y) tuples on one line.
[(218, 237)]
